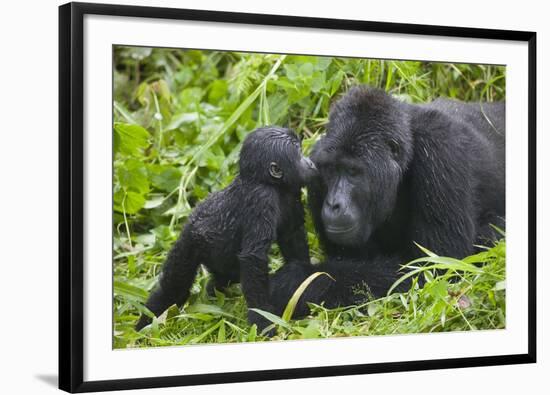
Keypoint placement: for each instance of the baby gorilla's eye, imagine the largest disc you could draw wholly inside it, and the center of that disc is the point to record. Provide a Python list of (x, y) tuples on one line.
[(394, 147)]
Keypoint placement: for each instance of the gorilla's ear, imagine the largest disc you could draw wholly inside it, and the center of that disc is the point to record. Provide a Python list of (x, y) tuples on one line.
[(275, 171)]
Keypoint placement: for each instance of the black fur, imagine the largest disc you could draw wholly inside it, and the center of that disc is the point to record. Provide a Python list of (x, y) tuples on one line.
[(392, 174), (231, 232)]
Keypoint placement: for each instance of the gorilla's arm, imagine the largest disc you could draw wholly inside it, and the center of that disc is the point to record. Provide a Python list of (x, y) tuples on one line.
[(353, 282)]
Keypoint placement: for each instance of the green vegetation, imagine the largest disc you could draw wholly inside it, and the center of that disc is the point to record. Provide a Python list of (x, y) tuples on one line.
[(179, 119)]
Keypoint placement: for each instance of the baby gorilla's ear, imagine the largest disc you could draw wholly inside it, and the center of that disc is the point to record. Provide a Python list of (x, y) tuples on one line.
[(275, 171)]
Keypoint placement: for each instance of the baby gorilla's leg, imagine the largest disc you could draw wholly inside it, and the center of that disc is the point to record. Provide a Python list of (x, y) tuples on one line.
[(176, 278), (220, 281)]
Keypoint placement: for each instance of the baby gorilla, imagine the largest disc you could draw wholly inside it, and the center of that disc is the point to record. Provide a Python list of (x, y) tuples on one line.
[(231, 232)]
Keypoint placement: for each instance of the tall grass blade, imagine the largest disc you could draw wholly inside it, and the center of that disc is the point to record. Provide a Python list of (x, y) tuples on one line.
[(291, 305)]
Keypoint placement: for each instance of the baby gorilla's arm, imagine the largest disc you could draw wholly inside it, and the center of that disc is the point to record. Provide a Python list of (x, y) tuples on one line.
[(292, 239), (253, 260)]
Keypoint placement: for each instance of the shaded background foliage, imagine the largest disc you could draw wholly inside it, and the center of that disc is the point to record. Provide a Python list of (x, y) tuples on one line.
[(180, 117)]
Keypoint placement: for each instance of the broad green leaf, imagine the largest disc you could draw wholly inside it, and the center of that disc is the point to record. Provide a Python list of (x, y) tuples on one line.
[(311, 331), (165, 178), (154, 202), (133, 202), (306, 70), (218, 91), (132, 176), (130, 139), (182, 119)]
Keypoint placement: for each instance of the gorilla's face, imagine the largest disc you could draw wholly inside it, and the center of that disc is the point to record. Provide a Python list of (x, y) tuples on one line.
[(361, 161), (273, 155)]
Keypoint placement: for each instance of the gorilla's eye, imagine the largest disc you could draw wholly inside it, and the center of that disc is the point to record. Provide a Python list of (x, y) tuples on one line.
[(394, 147), (352, 171), (275, 171)]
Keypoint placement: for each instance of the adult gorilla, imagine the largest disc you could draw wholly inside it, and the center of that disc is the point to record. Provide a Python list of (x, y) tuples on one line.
[(392, 174)]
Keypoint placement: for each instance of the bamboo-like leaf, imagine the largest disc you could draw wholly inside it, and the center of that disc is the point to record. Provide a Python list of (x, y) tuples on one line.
[(425, 250), (130, 291), (237, 113), (272, 317), (206, 332), (208, 309)]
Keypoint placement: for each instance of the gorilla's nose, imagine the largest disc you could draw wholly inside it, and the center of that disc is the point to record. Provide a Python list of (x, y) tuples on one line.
[(333, 207), (310, 164), (340, 223), (334, 214)]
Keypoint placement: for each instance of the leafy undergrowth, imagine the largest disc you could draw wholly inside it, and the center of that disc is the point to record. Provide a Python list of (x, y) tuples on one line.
[(466, 294), (180, 117)]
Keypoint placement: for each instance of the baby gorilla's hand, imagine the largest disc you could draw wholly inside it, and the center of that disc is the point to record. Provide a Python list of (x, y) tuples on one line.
[(261, 322), (143, 322)]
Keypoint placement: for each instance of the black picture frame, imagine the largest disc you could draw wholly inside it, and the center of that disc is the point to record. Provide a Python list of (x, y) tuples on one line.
[(71, 197)]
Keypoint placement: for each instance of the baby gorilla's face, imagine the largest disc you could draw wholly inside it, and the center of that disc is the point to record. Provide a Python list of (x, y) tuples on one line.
[(273, 155)]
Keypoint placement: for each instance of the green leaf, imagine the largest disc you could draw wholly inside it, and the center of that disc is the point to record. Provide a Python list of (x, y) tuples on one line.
[(372, 309), (278, 108), (208, 309), (499, 286), (221, 332), (130, 291), (312, 331), (236, 115), (190, 98), (132, 175), (183, 119), (131, 203), (154, 202), (130, 139), (252, 333), (323, 62), (207, 332), (317, 82), (218, 91), (425, 250), (306, 70), (291, 71), (336, 82), (291, 305), (165, 178), (272, 317), (439, 289)]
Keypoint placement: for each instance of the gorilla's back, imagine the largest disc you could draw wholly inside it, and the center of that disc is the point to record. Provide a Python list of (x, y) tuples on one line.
[(487, 123), (486, 118)]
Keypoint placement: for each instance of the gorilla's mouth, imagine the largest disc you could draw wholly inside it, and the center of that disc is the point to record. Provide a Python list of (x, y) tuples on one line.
[(347, 235), (343, 235), (341, 229)]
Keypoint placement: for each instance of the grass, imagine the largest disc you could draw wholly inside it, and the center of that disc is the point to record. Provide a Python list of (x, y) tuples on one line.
[(180, 117)]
